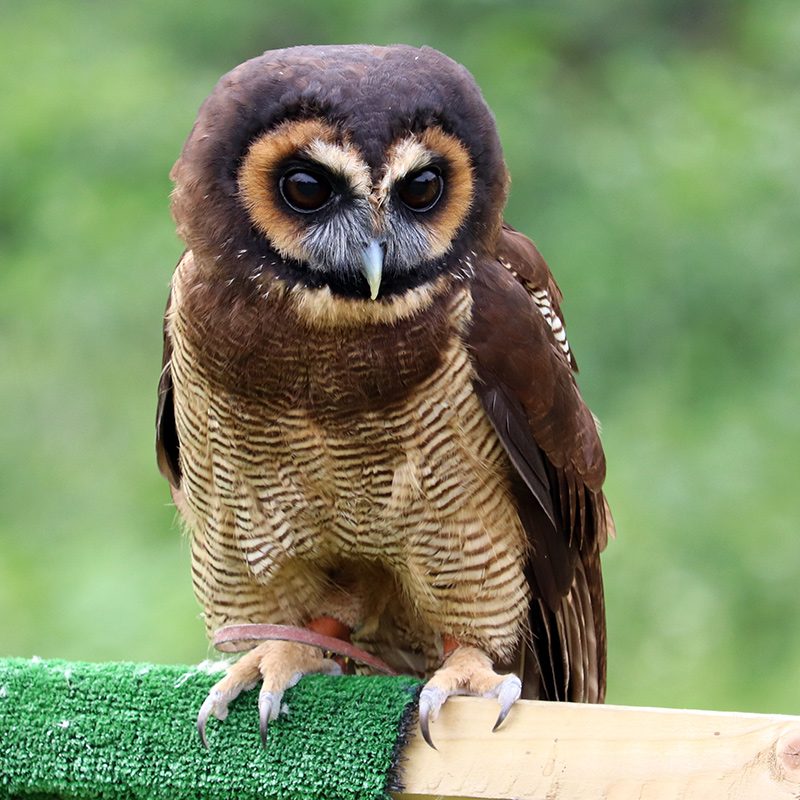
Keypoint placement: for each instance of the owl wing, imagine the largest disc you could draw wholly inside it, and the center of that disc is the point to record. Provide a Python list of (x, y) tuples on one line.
[(167, 444), (524, 377)]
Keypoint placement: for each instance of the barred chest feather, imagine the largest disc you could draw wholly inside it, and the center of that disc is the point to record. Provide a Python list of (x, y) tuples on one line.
[(346, 471)]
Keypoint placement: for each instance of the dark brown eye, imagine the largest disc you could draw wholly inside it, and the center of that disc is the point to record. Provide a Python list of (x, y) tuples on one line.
[(305, 191), (420, 191)]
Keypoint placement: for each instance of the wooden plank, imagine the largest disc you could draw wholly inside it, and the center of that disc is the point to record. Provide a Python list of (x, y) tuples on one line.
[(567, 751)]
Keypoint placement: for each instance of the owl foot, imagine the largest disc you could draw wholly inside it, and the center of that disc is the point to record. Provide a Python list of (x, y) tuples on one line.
[(468, 671), (279, 666)]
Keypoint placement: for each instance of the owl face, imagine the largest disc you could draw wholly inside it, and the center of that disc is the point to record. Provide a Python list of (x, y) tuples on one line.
[(310, 191), (368, 172)]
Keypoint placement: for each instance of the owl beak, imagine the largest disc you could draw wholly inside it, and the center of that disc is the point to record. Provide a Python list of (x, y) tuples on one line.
[(372, 266)]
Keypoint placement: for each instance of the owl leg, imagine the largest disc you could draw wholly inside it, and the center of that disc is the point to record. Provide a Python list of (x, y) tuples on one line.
[(466, 671), (279, 665)]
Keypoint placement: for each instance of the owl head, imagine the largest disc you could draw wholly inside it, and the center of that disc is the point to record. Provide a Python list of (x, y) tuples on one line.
[(365, 172)]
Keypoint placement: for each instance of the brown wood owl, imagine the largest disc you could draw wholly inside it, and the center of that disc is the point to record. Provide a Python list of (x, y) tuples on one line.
[(367, 412)]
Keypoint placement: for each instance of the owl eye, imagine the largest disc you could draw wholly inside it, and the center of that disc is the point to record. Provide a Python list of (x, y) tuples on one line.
[(421, 190), (305, 191)]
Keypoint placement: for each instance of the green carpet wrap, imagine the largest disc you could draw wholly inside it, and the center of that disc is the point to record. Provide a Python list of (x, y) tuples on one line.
[(120, 730)]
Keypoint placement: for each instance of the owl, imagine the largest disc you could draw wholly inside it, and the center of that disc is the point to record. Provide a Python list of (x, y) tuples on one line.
[(367, 412)]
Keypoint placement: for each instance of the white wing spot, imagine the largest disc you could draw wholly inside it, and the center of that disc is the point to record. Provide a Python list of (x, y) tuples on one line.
[(543, 303), (541, 297)]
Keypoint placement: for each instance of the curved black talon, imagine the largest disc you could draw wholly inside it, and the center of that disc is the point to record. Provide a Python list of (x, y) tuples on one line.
[(264, 707), (507, 692), (501, 717), (424, 726), (201, 729), (204, 714), (430, 701)]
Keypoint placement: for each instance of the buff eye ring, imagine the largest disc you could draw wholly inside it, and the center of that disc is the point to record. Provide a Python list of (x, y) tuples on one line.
[(305, 191), (421, 190)]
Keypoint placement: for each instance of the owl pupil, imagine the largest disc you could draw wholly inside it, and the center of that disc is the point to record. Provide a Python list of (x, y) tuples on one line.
[(421, 190), (305, 191)]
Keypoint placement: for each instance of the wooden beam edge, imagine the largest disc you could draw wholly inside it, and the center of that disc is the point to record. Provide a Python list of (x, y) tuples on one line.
[(570, 751)]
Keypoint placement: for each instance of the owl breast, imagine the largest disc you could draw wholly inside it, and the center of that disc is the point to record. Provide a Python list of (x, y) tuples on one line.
[(295, 491)]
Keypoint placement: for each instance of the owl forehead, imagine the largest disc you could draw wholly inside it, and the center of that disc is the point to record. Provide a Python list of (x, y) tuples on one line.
[(376, 93)]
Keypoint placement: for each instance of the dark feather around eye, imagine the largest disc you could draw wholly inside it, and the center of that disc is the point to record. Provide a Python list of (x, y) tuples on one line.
[(421, 190), (305, 190)]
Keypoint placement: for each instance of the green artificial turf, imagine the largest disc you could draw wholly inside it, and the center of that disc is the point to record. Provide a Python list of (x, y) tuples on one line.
[(123, 730)]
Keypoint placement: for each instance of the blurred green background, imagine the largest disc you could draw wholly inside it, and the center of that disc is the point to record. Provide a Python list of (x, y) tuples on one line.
[(655, 154)]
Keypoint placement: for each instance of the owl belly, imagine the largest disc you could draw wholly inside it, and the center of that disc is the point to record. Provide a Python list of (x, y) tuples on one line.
[(405, 510)]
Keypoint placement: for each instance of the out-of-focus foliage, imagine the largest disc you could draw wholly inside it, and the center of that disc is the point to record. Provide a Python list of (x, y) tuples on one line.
[(655, 152)]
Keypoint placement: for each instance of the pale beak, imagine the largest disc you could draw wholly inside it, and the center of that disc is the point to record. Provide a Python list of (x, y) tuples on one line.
[(372, 266)]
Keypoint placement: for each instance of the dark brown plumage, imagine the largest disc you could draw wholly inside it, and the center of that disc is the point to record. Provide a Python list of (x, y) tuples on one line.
[(367, 409)]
